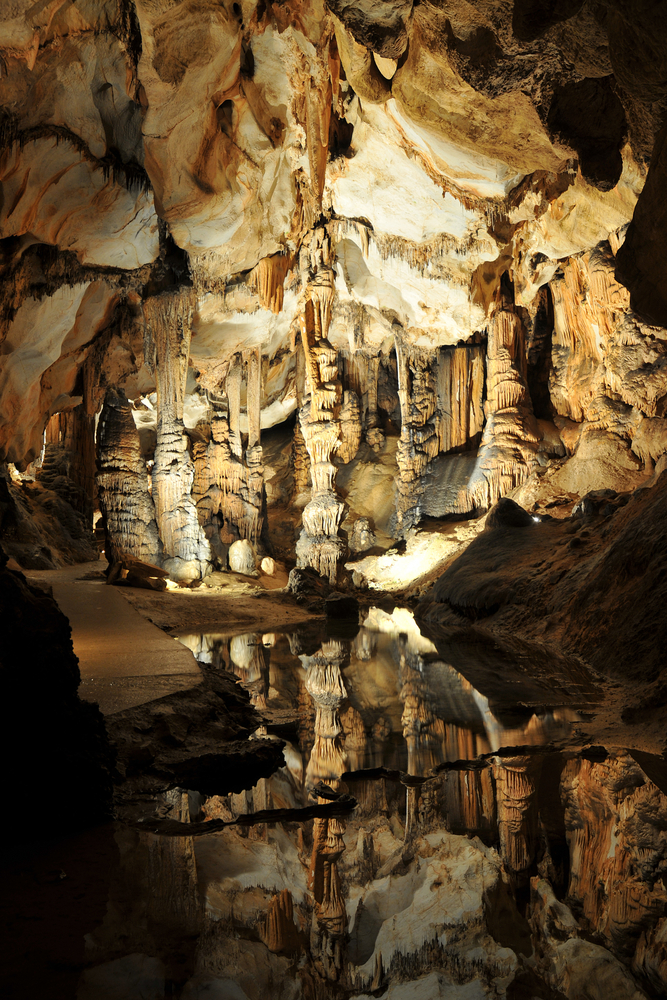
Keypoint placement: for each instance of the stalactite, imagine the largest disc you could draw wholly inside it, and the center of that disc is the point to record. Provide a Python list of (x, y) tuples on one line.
[(123, 485), (268, 278), (319, 545), (187, 553)]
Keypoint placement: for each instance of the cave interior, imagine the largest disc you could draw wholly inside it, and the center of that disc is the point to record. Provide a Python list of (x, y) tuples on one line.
[(333, 499)]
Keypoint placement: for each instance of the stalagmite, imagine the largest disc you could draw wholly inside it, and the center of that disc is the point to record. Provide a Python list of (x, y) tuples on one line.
[(123, 485), (187, 553)]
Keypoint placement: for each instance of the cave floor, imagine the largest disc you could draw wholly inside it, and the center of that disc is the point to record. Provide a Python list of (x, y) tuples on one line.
[(119, 633)]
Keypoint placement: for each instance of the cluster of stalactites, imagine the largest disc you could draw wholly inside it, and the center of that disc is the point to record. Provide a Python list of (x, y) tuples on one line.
[(229, 479), (511, 437), (440, 394), (319, 544)]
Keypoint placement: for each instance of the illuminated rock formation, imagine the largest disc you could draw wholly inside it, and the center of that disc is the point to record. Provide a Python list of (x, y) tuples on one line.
[(319, 545)]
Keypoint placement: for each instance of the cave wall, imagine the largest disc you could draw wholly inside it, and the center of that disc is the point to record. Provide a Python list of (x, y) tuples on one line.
[(421, 241)]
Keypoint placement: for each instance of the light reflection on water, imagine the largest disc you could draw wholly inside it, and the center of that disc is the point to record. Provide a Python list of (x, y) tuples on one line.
[(418, 892)]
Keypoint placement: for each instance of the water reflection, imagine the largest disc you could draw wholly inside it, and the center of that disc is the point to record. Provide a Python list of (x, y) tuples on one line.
[(462, 873)]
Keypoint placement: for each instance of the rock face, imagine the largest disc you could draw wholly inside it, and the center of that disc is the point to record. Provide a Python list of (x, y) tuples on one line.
[(430, 231)]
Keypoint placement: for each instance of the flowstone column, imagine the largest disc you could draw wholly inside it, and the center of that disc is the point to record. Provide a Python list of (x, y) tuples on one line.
[(319, 545), (508, 452), (123, 485), (187, 554)]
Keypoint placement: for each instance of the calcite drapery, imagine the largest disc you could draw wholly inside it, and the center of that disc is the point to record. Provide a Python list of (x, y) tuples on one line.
[(441, 409), (187, 553), (319, 545), (511, 436), (229, 480)]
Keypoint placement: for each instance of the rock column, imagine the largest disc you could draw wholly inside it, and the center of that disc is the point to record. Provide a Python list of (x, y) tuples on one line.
[(123, 485), (187, 553), (319, 545)]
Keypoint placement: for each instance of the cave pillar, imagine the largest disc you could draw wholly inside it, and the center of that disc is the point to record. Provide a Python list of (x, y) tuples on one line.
[(319, 544), (187, 553), (301, 459), (124, 485), (510, 440), (254, 397), (233, 387), (419, 443), (254, 469)]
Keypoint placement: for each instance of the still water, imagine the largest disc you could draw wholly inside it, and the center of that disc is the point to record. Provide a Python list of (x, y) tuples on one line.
[(423, 840)]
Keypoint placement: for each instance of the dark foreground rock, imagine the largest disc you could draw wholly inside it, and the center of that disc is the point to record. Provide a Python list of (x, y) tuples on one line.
[(56, 754)]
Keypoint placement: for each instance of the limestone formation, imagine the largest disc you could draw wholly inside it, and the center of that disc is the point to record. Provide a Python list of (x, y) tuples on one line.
[(371, 294)]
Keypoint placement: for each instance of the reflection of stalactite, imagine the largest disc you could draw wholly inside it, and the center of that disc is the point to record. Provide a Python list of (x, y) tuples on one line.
[(468, 796), (327, 761), (168, 324), (123, 484), (422, 729), (319, 545), (517, 779)]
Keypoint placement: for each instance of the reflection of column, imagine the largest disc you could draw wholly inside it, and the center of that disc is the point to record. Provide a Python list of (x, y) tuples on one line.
[(517, 779), (327, 761), (319, 545), (249, 659), (424, 732)]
